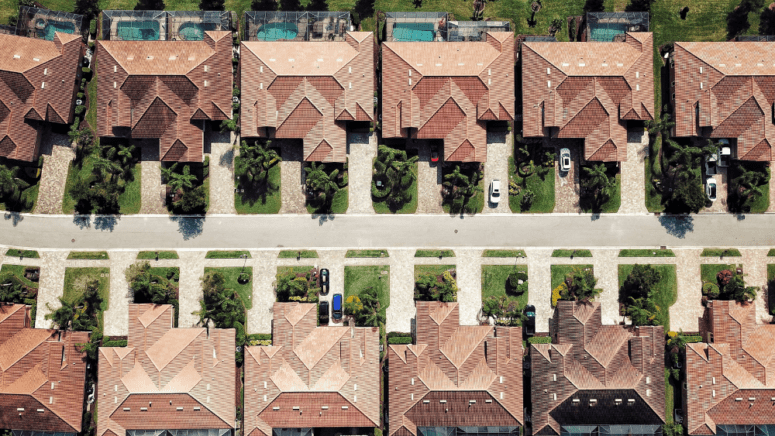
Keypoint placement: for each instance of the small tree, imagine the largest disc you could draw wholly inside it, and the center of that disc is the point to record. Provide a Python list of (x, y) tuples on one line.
[(254, 162), (288, 285), (211, 5), (640, 282)]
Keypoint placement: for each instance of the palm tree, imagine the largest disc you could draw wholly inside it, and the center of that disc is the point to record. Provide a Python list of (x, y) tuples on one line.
[(322, 184), (660, 125), (125, 154), (182, 182), (167, 173), (253, 164), (106, 168), (11, 184)]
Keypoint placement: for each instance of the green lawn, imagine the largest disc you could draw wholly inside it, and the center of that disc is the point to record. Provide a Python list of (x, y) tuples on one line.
[(708, 271), (261, 202), (665, 292), (411, 206), (476, 202), (358, 278), (646, 253), (341, 199), (232, 274), (430, 269), (434, 253), (291, 254), (653, 197), (162, 255), (494, 279), (15, 252), (93, 255), (761, 204), (30, 173), (504, 253), (717, 252), (560, 271), (366, 253), (771, 289), (227, 254), (771, 253), (571, 253), (669, 398), (543, 188), (74, 277), (130, 200), (18, 271)]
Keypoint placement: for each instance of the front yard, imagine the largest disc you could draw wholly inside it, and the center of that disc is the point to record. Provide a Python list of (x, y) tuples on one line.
[(531, 178), (359, 279), (233, 283), (664, 294)]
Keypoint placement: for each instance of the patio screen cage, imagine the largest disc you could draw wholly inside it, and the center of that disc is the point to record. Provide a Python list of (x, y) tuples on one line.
[(611, 430), (755, 38), (746, 430), (416, 26), (195, 432), (296, 26), (43, 23), (191, 25), (474, 30), (134, 25), (606, 26), (468, 431), (540, 38)]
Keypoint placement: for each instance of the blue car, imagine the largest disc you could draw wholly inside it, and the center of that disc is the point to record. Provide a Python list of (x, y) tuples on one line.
[(336, 309)]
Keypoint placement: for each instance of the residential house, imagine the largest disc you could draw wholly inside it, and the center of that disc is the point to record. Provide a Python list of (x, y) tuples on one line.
[(165, 90), (596, 379), (308, 86), (588, 90), (38, 82), (725, 90), (446, 80), (455, 380), (730, 384), (176, 380), (312, 379), (43, 376)]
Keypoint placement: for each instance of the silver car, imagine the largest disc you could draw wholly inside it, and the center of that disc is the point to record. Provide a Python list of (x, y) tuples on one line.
[(710, 188), (495, 191), (565, 161)]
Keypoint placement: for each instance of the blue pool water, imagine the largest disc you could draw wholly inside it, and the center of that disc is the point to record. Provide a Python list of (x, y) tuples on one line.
[(47, 33), (413, 32), (195, 31), (607, 33), (147, 30), (277, 31)]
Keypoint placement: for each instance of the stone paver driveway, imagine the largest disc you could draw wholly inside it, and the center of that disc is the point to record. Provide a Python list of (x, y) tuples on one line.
[(633, 173), (362, 149), (566, 185), (292, 177), (428, 179), (221, 174), (500, 147), (56, 162)]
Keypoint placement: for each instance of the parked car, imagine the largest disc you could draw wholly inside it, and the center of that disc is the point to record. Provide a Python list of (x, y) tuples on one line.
[(724, 153), (336, 311), (710, 188), (495, 191), (434, 153), (710, 164), (530, 325), (324, 285), (323, 312), (565, 161)]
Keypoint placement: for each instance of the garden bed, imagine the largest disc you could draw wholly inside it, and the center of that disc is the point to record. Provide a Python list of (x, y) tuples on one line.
[(297, 283), (588, 202), (319, 174), (537, 178), (383, 165), (469, 176), (433, 282), (27, 176)]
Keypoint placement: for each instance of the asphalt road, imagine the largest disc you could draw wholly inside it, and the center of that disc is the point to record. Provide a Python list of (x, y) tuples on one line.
[(382, 231)]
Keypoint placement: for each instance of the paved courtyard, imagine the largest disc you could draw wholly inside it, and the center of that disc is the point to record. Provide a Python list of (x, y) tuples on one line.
[(685, 314)]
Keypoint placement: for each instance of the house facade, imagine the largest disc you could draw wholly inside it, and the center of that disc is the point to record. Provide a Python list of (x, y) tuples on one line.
[(588, 90), (312, 378), (596, 379), (725, 90), (164, 90), (43, 376), (730, 380), (38, 83), (455, 380), (175, 380), (447, 88)]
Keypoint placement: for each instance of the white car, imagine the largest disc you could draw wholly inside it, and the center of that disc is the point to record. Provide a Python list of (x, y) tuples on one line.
[(495, 191), (710, 188), (724, 153), (565, 161), (711, 164)]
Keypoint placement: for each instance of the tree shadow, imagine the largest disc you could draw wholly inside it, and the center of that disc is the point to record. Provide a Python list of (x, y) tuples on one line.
[(106, 222), (15, 216), (82, 221), (189, 226), (677, 226), (323, 217), (227, 159), (737, 21)]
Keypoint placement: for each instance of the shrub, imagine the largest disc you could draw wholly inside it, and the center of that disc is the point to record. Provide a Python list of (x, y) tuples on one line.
[(244, 277), (527, 199), (539, 340), (558, 292), (723, 277), (399, 340), (80, 95), (711, 290)]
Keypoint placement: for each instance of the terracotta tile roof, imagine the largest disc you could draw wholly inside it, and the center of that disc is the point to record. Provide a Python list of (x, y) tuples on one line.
[(588, 90), (306, 90), (448, 91), (457, 365), (161, 89), (312, 376), (37, 84), (726, 90), (166, 378), (42, 375), (587, 358), (722, 376)]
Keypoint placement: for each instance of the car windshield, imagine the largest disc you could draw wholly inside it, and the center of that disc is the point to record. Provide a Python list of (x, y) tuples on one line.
[(712, 190), (531, 314)]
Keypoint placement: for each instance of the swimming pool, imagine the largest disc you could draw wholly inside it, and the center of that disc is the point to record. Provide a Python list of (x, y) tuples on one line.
[(607, 32), (47, 32), (195, 31), (413, 32), (146, 30), (277, 31)]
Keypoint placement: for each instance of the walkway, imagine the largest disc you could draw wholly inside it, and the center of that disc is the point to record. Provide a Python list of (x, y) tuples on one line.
[(291, 178), (362, 149), (221, 174), (56, 163), (633, 173)]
